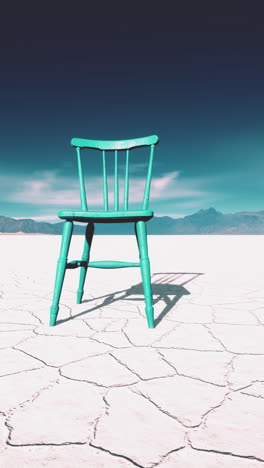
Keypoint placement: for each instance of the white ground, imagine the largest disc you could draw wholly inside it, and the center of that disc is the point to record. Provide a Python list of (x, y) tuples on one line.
[(100, 389)]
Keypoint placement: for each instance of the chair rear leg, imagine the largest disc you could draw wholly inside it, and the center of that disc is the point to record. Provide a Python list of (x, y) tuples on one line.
[(141, 234), (61, 268), (85, 257)]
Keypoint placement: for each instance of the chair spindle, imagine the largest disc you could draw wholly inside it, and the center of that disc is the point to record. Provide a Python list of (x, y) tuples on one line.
[(105, 184), (147, 186), (84, 206), (116, 190), (126, 182)]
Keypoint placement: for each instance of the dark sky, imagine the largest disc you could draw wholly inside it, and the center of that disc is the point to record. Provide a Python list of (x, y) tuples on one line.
[(191, 72)]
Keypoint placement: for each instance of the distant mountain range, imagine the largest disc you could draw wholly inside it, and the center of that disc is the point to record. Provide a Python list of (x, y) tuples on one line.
[(207, 221)]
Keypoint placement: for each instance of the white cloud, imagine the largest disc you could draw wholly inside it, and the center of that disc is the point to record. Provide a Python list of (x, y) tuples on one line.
[(45, 218), (172, 186), (134, 167), (170, 214), (161, 183), (52, 189)]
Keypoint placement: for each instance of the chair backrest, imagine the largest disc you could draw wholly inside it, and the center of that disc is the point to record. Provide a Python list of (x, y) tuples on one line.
[(115, 146)]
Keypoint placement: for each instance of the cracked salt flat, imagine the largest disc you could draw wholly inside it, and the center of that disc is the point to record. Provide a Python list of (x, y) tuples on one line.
[(101, 389), (220, 432)]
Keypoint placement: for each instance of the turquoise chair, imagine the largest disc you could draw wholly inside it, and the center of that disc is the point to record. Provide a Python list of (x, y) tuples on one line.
[(139, 217)]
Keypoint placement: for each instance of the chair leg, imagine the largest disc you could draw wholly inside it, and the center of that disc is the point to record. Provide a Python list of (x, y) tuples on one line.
[(85, 257), (61, 268), (141, 234)]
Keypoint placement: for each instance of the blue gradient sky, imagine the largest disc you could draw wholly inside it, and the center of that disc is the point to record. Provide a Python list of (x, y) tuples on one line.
[(192, 74)]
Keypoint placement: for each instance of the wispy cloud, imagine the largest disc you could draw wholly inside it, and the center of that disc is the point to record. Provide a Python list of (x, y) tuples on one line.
[(135, 167), (45, 218), (172, 186), (52, 189)]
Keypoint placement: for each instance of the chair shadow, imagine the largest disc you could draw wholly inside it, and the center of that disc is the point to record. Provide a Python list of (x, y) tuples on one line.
[(163, 286)]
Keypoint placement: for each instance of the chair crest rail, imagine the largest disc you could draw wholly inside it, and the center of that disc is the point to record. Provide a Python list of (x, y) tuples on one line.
[(114, 145)]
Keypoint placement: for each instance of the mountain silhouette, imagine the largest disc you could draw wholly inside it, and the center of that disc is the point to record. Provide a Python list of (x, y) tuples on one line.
[(207, 221)]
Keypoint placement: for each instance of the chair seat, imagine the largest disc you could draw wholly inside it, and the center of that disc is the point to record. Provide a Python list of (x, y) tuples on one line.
[(106, 216)]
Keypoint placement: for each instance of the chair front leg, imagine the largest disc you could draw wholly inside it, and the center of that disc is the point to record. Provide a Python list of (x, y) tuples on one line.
[(141, 234), (61, 268), (85, 257)]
